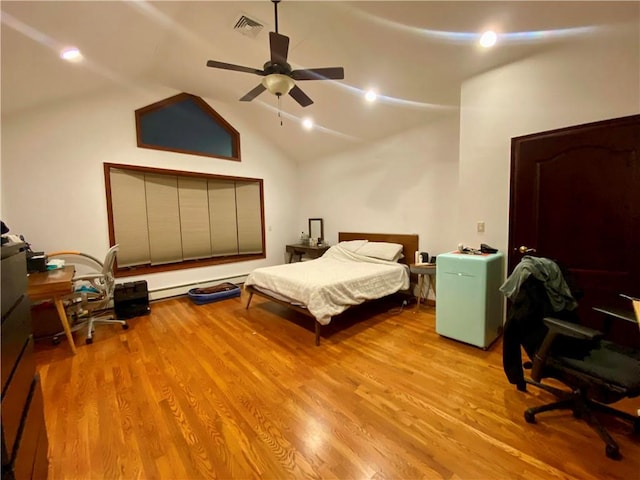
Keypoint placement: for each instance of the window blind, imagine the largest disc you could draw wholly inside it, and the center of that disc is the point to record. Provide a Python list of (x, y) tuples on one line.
[(222, 211), (194, 218), (163, 218), (129, 212), (248, 217)]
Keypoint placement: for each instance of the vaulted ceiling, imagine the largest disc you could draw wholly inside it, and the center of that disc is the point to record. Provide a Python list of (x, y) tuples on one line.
[(415, 54)]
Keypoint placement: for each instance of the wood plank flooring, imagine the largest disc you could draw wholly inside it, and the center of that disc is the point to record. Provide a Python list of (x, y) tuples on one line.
[(218, 391)]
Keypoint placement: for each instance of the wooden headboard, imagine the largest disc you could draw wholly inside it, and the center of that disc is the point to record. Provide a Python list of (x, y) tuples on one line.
[(409, 241)]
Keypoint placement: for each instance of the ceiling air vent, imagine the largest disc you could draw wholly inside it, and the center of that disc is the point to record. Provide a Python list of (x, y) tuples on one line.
[(248, 26)]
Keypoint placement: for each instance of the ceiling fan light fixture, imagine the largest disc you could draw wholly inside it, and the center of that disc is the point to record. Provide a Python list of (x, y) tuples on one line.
[(278, 84), (277, 76)]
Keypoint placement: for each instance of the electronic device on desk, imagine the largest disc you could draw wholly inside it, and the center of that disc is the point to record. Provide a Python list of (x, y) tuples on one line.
[(484, 248), (36, 262)]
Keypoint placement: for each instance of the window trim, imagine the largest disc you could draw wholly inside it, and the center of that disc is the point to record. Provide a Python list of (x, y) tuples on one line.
[(235, 135), (219, 260)]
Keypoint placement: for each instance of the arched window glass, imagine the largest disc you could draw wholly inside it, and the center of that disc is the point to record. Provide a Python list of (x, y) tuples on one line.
[(185, 123)]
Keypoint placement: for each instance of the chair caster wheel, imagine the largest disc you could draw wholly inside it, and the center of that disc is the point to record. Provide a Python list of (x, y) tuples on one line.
[(55, 340), (89, 341), (612, 451), (529, 417), (125, 327)]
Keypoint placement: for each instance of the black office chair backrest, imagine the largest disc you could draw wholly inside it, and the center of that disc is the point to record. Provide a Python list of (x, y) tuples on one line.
[(525, 326)]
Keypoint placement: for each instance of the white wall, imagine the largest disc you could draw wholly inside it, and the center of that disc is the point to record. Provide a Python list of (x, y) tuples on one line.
[(441, 179), (594, 79), (403, 184), (53, 188)]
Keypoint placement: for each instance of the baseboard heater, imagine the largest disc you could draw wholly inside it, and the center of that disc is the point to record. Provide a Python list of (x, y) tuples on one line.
[(183, 289)]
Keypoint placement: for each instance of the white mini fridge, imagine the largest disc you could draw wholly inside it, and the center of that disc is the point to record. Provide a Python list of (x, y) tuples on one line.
[(469, 307)]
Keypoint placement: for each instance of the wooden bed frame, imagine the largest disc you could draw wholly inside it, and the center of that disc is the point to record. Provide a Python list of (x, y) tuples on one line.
[(409, 247)]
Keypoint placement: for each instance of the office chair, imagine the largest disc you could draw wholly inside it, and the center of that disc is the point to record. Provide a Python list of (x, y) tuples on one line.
[(597, 372), (90, 303)]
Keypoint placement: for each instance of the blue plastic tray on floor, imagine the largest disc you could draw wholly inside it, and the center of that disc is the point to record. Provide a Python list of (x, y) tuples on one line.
[(228, 290)]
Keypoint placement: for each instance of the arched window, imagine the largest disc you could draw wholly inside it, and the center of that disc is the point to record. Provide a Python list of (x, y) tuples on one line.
[(185, 123)]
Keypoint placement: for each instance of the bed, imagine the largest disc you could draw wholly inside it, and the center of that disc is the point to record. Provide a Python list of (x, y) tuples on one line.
[(360, 268)]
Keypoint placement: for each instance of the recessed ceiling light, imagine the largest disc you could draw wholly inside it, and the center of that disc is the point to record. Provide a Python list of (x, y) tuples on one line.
[(71, 54), (307, 123), (370, 96), (488, 39)]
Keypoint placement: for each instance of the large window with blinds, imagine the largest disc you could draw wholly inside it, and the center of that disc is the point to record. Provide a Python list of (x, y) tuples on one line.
[(167, 220)]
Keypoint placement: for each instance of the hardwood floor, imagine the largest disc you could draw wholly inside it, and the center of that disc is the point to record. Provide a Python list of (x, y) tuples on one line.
[(217, 391)]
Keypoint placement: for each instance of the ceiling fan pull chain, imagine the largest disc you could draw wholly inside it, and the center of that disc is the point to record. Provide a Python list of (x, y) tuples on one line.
[(279, 106)]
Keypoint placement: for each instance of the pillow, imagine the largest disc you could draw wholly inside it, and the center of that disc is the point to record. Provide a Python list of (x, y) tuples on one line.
[(352, 245), (391, 252)]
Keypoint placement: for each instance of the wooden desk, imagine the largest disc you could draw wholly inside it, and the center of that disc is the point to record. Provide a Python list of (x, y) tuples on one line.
[(53, 285), (309, 251), (424, 270)]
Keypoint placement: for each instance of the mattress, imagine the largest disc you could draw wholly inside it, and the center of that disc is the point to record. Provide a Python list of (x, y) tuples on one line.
[(332, 283)]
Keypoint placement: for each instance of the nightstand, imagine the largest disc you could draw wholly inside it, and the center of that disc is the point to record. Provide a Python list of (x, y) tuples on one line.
[(424, 270), (299, 250)]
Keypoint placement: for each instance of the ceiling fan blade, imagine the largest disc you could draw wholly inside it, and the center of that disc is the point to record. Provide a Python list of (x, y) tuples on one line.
[(279, 48), (329, 73), (237, 68), (253, 93), (300, 97)]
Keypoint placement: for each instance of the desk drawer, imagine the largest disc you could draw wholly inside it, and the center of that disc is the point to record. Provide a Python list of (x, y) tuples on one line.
[(15, 398), (14, 280), (27, 459), (16, 328)]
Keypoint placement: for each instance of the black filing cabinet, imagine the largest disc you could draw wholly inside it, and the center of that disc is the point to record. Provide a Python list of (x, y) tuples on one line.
[(24, 435)]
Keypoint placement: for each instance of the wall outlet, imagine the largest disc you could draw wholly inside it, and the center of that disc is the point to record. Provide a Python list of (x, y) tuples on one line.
[(480, 227)]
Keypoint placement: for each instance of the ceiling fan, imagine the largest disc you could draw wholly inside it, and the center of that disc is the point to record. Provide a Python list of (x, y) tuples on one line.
[(279, 78)]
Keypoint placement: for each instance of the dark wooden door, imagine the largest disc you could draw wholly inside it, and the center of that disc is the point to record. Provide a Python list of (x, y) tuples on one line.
[(575, 197)]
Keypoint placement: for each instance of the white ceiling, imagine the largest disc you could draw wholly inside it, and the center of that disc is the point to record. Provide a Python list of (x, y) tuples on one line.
[(397, 47)]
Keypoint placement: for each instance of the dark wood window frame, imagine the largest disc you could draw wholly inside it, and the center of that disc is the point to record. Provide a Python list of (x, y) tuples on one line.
[(206, 108), (217, 260)]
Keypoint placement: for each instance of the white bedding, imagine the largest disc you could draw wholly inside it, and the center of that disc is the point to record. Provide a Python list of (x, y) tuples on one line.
[(332, 283)]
